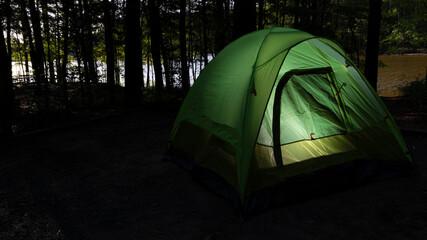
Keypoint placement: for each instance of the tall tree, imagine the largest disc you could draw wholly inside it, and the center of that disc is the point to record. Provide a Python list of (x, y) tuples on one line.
[(219, 26), (205, 33), (82, 43), (58, 41), (38, 40), (154, 23), (47, 38), (66, 10), (372, 45), (89, 40), (244, 17), (166, 64), (261, 14), (185, 76), (109, 45), (133, 53), (296, 13), (28, 38), (6, 88), (8, 28)]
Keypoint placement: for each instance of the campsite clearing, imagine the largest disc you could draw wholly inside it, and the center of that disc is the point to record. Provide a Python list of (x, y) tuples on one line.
[(106, 180)]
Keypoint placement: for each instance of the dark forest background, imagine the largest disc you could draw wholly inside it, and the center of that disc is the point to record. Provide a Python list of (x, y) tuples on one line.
[(159, 47)]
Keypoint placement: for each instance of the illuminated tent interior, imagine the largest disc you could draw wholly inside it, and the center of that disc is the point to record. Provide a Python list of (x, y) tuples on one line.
[(279, 115)]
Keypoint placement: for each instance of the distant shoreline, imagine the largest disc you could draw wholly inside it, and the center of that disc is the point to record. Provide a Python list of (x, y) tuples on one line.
[(405, 54)]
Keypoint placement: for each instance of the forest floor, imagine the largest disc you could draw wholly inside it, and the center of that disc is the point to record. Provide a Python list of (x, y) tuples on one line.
[(105, 179)]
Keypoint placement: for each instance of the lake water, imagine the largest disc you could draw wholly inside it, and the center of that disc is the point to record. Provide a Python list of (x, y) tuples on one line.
[(399, 71)]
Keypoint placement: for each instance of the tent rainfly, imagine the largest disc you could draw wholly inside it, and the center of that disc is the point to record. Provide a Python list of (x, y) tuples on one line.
[(280, 115)]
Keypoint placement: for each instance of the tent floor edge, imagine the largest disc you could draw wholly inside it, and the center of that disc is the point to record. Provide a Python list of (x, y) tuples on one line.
[(303, 187)]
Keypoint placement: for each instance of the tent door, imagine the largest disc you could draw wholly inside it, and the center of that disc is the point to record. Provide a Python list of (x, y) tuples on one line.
[(327, 94)]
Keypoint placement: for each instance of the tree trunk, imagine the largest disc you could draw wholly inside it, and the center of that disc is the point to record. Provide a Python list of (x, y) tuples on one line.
[(109, 45), (20, 49), (8, 30), (185, 76), (25, 48), (166, 65), (148, 71), (6, 88), (114, 7), (372, 45), (89, 40), (133, 53), (305, 18), (227, 26), (314, 16), (28, 35), (58, 43), (244, 17), (66, 10), (47, 39), (83, 47), (154, 23), (261, 14), (219, 27), (296, 14), (35, 21), (205, 33)]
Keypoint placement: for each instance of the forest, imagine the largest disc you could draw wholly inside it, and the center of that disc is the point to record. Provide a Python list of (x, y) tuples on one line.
[(70, 59)]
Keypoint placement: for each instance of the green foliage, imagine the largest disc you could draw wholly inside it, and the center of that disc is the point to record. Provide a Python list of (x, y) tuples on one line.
[(417, 92), (404, 27)]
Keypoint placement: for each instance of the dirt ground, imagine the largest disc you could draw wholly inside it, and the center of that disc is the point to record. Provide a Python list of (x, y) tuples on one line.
[(106, 180)]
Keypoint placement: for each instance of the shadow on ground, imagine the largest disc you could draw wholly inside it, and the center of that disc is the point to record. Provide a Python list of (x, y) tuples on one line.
[(106, 180)]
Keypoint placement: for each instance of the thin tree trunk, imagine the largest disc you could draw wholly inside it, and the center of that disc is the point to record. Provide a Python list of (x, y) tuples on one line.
[(76, 30), (314, 16), (372, 45), (219, 27), (305, 18), (58, 44), (261, 14), (28, 35), (25, 48), (66, 10), (148, 70), (35, 21), (6, 88), (133, 53), (82, 39), (191, 58), (183, 45), (8, 30), (354, 39), (166, 64), (227, 21), (18, 43), (244, 17), (47, 39), (205, 33), (114, 7), (154, 23), (109, 44), (276, 21), (296, 14), (89, 40)]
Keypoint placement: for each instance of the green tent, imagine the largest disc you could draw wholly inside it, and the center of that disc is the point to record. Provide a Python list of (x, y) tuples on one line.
[(281, 107)]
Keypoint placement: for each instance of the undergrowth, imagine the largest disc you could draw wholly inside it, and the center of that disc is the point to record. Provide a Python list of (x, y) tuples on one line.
[(416, 91)]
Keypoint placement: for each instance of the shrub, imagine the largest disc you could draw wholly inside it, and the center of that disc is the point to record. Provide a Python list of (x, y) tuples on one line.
[(417, 92)]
